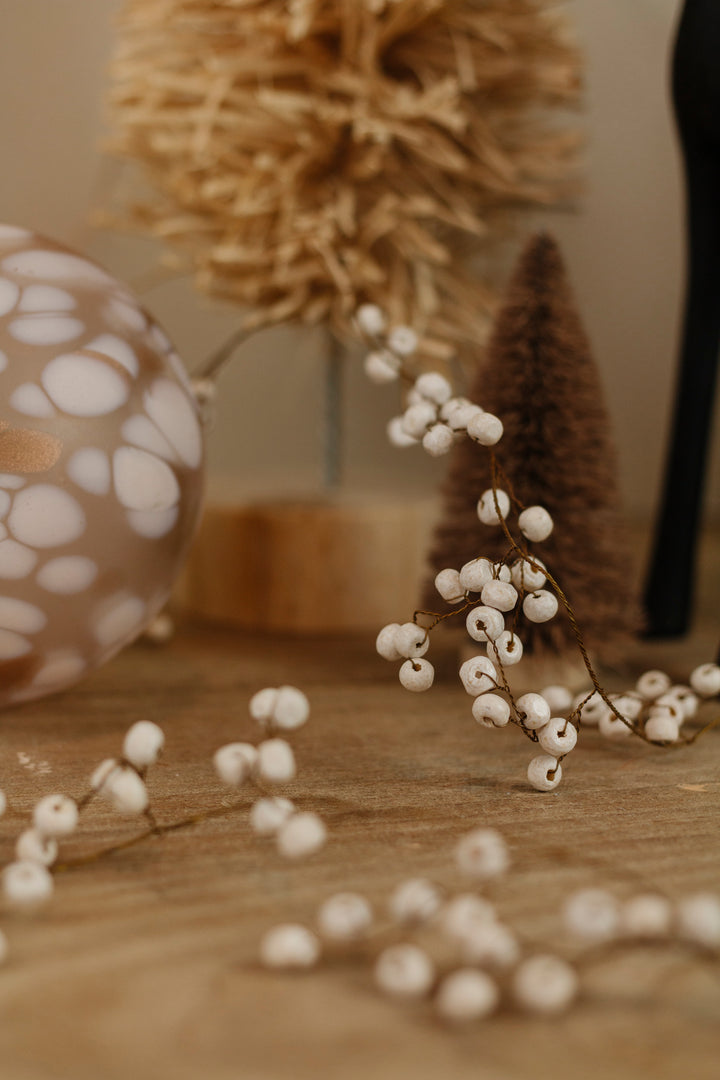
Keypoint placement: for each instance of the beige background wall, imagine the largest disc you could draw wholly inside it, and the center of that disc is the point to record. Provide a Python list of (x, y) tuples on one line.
[(623, 246)]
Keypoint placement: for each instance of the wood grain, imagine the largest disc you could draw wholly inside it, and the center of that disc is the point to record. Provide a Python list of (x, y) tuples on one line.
[(145, 963)]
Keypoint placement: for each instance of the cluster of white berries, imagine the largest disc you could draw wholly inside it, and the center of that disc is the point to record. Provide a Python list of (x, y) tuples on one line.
[(496, 597), (272, 763), (656, 708), (27, 882), (433, 416), (121, 781), (487, 968), (453, 950), (597, 917)]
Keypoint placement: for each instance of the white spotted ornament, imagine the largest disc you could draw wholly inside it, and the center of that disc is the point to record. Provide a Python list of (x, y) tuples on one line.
[(101, 466)]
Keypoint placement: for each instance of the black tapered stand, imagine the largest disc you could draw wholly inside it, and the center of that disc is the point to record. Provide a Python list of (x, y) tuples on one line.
[(696, 95)]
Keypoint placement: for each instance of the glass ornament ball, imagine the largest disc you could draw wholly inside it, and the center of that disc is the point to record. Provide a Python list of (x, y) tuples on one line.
[(101, 466)]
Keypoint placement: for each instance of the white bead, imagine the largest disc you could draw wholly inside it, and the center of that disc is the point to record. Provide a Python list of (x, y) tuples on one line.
[(125, 791), (344, 917), (629, 704), (558, 737), (485, 428), (433, 386), (269, 814), (502, 572), (418, 418), (507, 649), (143, 743), (652, 684), (275, 761), (56, 815), (289, 946), (458, 412), (500, 595), (370, 319), (403, 340), (301, 835), (484, 623), (545, 985), (486, 509), (540, 606), (533, 711), (452, 405), (404, 971), (447, 583), (475, 574), (417, 675), (397, 434), (32, 846), (699, 919), (102, 772), (482, 854), (262, 705), (558, 698), (527, 575), (535, 523), (415, 901), (26, 884), (490, 944), (491, 710), (688, 700), (466, 995), (662, 728), (385, 642), (411, 640), (705, 680), (3, 803), (592, 915), (438, 440), (292, 708), (478, 675), (646, 916), (544, 772), (592, 710), (463, 912), (668, 705), (381, 367), (611, 728), (235, 762)]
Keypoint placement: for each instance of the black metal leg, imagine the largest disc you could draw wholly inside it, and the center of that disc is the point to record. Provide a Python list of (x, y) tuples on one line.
[(696, 88)]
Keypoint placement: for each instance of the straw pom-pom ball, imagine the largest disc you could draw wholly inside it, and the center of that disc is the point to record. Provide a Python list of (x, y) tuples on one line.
[(336, 161)]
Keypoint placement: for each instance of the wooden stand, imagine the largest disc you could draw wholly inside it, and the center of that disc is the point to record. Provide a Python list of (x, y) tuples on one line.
[(350, 563)]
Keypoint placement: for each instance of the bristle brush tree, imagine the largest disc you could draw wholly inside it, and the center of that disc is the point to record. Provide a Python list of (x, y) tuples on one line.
[(540, 377)]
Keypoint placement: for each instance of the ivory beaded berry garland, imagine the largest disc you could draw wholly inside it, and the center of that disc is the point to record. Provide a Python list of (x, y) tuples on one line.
[(454, 951), (28, 883), (466, 995), (344, 917), (519, 587)]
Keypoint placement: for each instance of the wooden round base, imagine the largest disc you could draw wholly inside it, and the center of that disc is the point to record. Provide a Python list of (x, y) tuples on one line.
[(344, 564)]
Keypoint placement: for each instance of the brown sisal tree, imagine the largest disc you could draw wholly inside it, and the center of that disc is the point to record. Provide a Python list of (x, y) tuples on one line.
[(541, 380)]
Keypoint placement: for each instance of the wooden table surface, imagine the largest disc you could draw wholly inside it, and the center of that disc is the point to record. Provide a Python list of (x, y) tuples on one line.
[(144, 965)]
